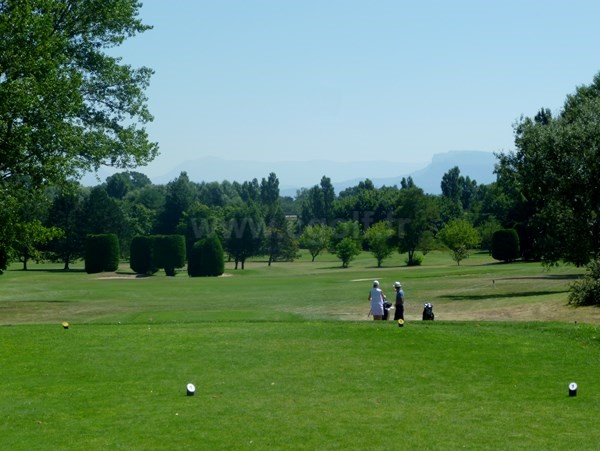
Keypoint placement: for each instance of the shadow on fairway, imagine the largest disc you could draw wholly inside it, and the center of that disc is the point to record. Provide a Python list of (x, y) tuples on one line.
[(547, 277), (55, 270), (43, 301), (478, 297)]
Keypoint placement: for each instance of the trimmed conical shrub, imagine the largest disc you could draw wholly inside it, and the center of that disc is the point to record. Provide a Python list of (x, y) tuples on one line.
[(102, 253), (207, 258)]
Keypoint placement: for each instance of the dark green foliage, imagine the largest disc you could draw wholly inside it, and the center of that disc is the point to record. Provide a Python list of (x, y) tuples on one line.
[(586, 291), (66, 214), (317, 206), (101, 213), (416, 260), (213, 257), (207, 258), (169, 252), (417, 215), (180, 196), (141, 256), (505, 245), (244, 234), (3, 259), (343, 230), (101, 253), (556, 169)]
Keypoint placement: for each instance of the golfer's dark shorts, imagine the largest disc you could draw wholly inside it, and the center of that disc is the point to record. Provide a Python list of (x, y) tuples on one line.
[(399, 312)]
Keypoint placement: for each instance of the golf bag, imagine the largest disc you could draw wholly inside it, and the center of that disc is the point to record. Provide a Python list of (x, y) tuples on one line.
[(387, 306), (428, 312)]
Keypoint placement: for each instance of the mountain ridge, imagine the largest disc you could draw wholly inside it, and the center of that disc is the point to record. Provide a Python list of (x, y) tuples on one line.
[(295, 175)]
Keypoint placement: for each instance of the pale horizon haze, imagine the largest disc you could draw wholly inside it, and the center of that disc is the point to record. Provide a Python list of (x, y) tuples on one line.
[(399, 81)]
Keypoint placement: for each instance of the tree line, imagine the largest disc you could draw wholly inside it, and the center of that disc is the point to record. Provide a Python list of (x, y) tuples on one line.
[(252, 218)]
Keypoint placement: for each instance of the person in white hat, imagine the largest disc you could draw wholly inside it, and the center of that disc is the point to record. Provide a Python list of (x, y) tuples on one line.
[(377, 298), (399, 314)]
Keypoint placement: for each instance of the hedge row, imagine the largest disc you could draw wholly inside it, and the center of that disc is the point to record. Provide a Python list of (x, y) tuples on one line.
[(151, 253), (102, 253), (148, 254)]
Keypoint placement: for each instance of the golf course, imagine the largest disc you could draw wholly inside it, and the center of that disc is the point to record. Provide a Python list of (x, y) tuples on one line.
[(286, 357)]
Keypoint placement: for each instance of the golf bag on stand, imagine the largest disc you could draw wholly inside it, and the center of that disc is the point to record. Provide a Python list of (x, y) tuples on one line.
[(387, 306), (428, 312)]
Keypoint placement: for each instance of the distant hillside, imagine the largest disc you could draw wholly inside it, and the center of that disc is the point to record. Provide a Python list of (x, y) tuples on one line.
[(477, 165), (294, 175)]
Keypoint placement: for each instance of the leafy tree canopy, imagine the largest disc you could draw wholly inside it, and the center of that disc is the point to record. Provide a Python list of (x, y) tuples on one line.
[(66, 105), (556, 168), (460, 237)]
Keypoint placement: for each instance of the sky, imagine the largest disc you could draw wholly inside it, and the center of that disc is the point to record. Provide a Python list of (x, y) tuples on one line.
[(350, 80)]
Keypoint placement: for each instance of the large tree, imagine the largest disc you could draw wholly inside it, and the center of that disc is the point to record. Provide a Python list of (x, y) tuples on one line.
[(180, 196), (417, 214), (102, 214), (66, 213), (556, 168), (245, 232), (66, 105)]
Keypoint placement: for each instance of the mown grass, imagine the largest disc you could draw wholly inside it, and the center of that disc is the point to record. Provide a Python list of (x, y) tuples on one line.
[(275, 369)]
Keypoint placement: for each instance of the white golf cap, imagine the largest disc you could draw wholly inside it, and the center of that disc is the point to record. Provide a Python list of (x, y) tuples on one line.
[(376, 283), (397, 284)]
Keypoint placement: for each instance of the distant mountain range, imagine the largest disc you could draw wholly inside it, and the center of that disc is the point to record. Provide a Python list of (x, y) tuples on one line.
[(477, 165), (294, 175)]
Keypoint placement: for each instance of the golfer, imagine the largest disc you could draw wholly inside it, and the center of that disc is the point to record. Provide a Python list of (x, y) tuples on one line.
[(399, 314), (377, 298)]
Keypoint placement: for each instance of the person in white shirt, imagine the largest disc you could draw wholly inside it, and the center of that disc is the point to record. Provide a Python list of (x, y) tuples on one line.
[(377, 298)]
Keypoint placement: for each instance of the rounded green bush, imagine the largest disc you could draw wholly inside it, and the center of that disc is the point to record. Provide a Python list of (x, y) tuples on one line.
[(505, 245), (207, 258)]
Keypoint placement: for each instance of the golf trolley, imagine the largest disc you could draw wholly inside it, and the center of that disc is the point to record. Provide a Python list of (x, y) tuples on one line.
[(428, 312), (387, 306), (386, 310)]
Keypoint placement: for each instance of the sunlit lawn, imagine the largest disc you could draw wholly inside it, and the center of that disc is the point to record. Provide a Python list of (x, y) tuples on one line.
[(275, 368)]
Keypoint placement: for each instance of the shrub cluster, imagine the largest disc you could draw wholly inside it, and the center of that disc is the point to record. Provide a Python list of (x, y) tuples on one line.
[(586, 291), (101, 253)]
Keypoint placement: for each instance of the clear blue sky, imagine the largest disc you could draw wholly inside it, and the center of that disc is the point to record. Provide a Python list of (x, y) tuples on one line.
[(349, 80)]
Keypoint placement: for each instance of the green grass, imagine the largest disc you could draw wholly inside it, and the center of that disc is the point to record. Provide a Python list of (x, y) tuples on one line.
[(276, 369)]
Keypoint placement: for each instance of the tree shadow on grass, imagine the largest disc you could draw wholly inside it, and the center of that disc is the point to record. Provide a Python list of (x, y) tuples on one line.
[(547, 277), (43, 301), (479, 297), (54, 270)]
